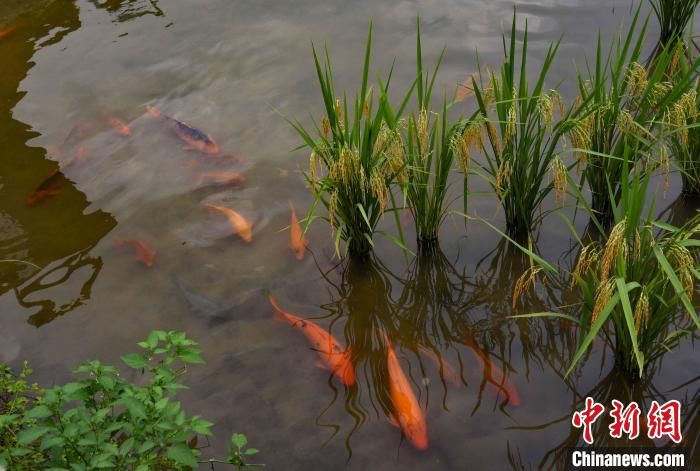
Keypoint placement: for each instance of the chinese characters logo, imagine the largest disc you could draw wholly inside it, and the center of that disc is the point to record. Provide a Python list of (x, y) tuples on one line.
[(662, 420)]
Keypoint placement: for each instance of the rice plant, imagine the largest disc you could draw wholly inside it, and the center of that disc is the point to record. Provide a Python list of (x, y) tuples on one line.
[(619, 102), (429, 160), (684, 138), (428, 153), (636, 287), (515, 130), (674, 17), (351, 166)]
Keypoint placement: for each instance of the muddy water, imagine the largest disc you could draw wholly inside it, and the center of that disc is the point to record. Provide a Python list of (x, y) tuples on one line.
[(229, 68)]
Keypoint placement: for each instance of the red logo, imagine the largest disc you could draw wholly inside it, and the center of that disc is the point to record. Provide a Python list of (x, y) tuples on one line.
[(662, 420)]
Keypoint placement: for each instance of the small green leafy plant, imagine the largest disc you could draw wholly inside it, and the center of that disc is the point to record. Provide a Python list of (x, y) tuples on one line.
[(103, 421), (16, 396)]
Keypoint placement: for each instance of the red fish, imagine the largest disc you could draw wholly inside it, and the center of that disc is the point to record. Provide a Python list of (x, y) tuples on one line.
[(494, 375), (48, 188), (77, 132), (144, 253), (81, 155), (297, 242), (238, 223), (193, 138), (408, 415), (334, 357), (119, 125), (225, 159), (446, 369), (6, 32), (406, 218), (465, 89), (222, 178)]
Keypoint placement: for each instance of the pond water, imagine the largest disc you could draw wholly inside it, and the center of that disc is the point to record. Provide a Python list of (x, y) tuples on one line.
[(231, 68)]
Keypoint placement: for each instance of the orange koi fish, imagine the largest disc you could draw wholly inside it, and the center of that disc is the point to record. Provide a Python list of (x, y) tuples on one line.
[(408, 415), (494, 375), (225, 159), (77, 132), (465, 89), (240, 226), (334, 357), (48, 188), (80, 156), (144, 253), (446, 369), (5, 33), (119, 125), (297, 242), (222, 178), (193, 138), (406, 218)]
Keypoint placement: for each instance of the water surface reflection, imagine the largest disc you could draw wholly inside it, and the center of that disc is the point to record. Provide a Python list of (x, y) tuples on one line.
[(487, 382)]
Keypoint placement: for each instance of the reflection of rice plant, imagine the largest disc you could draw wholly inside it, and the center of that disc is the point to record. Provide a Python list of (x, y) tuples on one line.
[(350, 170), (674, 17), (617, 108), (519, 138), (637, 286), (611, 386)]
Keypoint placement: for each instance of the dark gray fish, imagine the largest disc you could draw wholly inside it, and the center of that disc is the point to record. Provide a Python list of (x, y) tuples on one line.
[(208, 308)]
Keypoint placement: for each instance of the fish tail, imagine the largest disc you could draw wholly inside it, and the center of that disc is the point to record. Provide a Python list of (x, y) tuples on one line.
[(33, 199), (122, 242), (153, 111), (279, 314)]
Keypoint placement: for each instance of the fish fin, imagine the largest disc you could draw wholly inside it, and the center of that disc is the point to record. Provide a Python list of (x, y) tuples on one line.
[(153, 111), (213, 207), (319, 364), (392, 420)]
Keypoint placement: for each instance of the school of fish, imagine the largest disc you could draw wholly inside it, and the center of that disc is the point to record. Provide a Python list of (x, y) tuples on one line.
[(406, 412)]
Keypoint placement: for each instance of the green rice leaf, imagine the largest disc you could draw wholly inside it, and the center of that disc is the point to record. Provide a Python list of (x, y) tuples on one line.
[(622, 290), (593, 331), (677, 286)]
